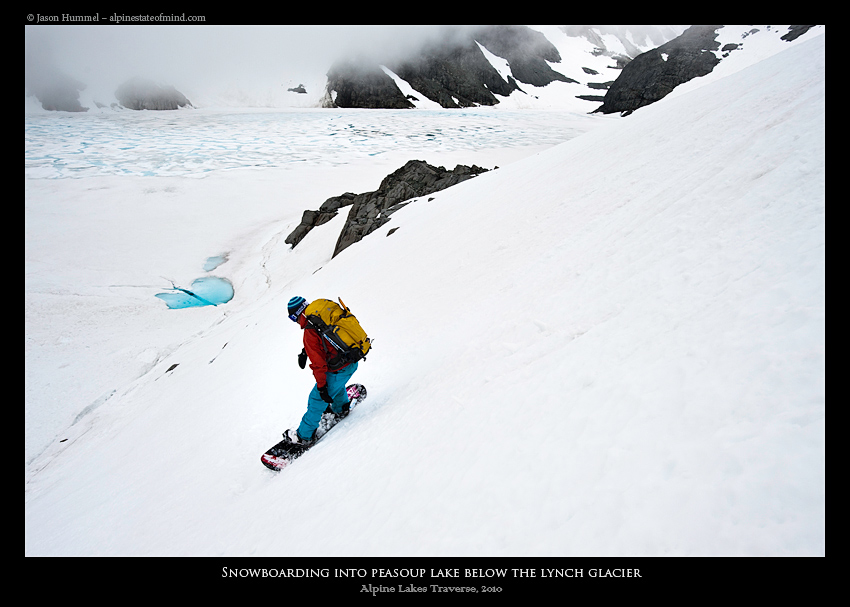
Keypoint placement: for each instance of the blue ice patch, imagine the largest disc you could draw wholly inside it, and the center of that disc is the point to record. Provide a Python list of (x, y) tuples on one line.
[(206, 291), (213, 262)]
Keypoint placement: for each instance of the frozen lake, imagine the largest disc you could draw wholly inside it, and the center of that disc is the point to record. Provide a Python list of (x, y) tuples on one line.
[(195, 142)]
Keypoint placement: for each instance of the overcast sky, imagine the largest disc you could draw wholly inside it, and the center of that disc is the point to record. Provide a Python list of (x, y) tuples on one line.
[(191, 55)]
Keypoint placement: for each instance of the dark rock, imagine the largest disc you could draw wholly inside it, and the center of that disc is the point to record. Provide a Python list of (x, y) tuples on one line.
[(337, 202), (371, 210), (456, 75), (416, 178), (359, 84), (526, 50), (652, 75), (141, 94), (309, 220), (795, 31), (54, 89), (452, 71)]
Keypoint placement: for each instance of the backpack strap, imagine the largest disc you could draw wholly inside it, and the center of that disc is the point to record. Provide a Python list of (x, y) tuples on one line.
[(340, 355), (323, 329)]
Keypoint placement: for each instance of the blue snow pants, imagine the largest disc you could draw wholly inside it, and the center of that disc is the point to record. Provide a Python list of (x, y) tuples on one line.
[(316, 406)]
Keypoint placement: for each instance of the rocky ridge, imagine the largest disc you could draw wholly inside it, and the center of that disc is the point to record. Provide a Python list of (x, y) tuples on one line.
[(654, 74), (371, 210), (454, 73), (141, 94), (55, 90)]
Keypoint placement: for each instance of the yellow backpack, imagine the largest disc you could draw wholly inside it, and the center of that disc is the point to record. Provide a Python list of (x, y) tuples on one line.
[(340, 330)]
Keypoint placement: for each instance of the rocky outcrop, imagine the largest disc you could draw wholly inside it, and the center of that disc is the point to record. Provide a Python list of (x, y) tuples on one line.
[(141, 94), (652, 75), (371, 210), (359, 84), (454, 76), (453, 72), (527, 52), (55, 90), (795, 31)]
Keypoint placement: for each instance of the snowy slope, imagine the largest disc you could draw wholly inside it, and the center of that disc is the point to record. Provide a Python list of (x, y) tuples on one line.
[(754, 44), (117, 205), (613, 347)]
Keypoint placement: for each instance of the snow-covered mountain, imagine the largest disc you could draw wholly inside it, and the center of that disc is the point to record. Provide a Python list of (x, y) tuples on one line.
[(578, 68), (450, 63), (520, 66), (543, 67), (615, 346)]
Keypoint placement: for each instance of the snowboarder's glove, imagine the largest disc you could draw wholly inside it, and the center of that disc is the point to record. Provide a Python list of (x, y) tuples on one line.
[(323, 392), (302, 359)]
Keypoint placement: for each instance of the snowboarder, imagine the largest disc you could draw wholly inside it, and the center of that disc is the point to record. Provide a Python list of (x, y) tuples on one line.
[(328, 395)]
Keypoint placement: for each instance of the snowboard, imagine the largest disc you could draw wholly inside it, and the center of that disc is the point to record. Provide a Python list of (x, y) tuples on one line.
[(285, 452)]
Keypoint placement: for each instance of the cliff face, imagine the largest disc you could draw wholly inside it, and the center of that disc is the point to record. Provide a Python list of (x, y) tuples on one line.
[(456, 76), (652, 75), (527, 51), (356, 84), (454, 72)]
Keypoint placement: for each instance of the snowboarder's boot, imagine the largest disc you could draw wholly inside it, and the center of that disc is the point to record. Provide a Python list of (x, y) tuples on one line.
[(293, 437), (338, 416)]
